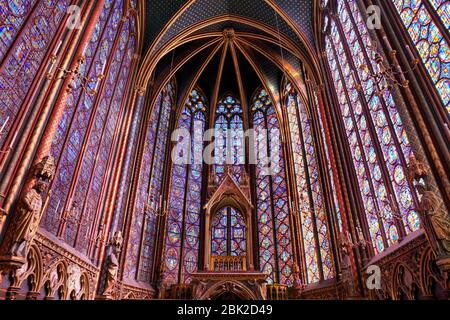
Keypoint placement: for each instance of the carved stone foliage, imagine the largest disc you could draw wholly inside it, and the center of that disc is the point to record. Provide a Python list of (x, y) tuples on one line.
[(50, 272), (410, 273)]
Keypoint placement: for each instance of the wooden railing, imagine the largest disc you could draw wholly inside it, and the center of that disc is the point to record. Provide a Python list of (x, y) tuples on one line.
[(229, 263)]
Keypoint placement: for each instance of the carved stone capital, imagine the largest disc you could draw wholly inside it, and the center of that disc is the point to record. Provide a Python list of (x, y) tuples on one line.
[(140, 90), (45, 169), (10, 262)]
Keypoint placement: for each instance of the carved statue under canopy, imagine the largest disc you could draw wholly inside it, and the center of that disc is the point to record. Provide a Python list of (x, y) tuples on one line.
[(26, 220), (113, 264), (433, 207), (27, 216)]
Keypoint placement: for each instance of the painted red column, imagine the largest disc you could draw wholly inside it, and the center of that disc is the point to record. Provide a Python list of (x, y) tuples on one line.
[(61, 101), (345, 222)]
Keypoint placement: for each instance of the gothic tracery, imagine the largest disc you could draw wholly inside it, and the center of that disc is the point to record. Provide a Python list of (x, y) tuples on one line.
[(152, 150)]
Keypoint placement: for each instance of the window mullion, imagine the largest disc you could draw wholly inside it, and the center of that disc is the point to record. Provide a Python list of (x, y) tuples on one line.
[(360, 143), (398, 223), (313, 212), (183, 213), (272, 207), (437, 19)]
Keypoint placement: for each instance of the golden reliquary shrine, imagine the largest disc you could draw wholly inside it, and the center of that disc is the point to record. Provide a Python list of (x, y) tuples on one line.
[(224, 150)]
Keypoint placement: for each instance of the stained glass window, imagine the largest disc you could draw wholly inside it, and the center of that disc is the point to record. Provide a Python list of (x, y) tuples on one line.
[(378, 141), (125, 182), (72, 130), (328, 160), (317, 252), (13, 14), (274, 227), (229, 127), (99, 145), (428, 35), (183, 221), (83, 144), (148, 202), (228, 233), (21, 56)]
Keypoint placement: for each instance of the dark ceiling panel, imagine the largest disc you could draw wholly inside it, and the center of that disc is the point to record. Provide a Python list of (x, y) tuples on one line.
[(281, 54), (158, 14), (187, 73), (250, 79), (160, 11), (270, 72), (301, 12), (207, 80), (198, 11), (174, 58)]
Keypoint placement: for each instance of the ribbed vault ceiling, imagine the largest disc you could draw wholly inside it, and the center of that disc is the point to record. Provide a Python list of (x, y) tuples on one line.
[(227, 45)]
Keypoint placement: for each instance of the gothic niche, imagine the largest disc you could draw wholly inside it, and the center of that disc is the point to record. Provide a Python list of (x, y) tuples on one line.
[(229, 249)]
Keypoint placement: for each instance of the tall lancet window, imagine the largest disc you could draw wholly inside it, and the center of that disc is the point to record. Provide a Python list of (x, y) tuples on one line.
[(274, 227), (84, 142), (183, 221), (328, 161), (428, 24), (378, 141), (148, 197), (317, 252), (229, 143), (27, 29)]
